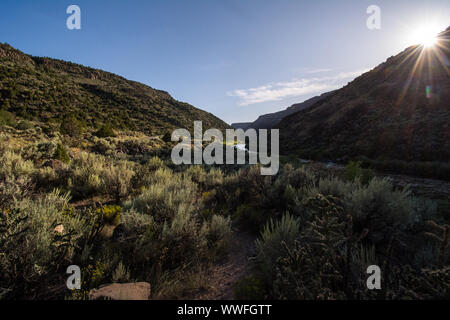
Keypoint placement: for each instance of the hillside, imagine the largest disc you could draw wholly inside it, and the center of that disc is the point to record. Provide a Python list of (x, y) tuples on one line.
[(270, 120), (47, 90), (399, 110)]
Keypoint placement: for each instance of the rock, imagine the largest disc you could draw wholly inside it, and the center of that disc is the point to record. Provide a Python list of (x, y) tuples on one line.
[(59, 229), (122, 291)]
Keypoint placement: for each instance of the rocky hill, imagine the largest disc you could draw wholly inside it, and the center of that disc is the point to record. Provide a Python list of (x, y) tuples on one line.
[(399, 110), (47, 90)]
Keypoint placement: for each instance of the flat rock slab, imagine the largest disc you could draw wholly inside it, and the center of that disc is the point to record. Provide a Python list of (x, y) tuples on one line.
[(122, 291)]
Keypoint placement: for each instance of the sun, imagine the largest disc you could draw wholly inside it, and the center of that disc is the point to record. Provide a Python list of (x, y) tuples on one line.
[(425, 36)]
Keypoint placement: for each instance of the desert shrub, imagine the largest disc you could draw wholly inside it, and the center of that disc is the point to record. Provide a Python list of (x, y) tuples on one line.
[(92, 174), (13, 189), (109, 214), (242, 193), (103, 146), (7, 118), (205, 179), (327, 261), (24, 125), (105, 131), (168, 195), (32, 248), (381, 209), (13, 165), (354, 171), (46, 178), (300, 178), (270, 247), (376, 205), (15, 178), (334, 186), (135, 223), (181, 242), (144, 174), (116, 179), (196, 173), (155, 163), (213, 178), (39, 151), (84, 179), (217, 233), (121, 273), (46, 149), (61, 154)]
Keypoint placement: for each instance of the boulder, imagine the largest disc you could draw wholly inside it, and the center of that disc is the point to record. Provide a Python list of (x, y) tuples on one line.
[(122, 291)]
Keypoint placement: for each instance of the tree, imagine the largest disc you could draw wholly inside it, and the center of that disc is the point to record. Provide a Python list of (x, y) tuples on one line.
[(70, 126), (105, 131)]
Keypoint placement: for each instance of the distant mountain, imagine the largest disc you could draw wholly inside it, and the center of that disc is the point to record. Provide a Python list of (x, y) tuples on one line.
[(399, 110), (270, 120), (47, 90), (241, 125)]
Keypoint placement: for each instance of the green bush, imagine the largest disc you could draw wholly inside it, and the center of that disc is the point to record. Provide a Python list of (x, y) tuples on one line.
[(105, 131), (354, 171), (110, 214), (61, 154), (7, 118), (270, 247), (70, 126)]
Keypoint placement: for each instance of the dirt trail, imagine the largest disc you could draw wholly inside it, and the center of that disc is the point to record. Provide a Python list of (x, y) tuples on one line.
[(223, 277)]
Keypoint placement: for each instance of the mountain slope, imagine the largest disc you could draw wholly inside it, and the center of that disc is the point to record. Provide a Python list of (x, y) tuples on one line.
[(45, 89), (399, 110), (270, 120)]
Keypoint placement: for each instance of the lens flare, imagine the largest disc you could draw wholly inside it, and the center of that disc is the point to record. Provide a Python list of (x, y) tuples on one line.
[(425, 36)]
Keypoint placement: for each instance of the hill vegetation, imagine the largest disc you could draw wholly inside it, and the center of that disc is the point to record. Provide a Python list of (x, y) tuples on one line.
[(49, 90)]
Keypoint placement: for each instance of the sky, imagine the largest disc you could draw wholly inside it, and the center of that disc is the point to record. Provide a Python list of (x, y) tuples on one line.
[(237, 59)]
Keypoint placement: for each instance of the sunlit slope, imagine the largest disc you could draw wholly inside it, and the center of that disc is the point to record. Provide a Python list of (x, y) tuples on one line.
[(45, 89)]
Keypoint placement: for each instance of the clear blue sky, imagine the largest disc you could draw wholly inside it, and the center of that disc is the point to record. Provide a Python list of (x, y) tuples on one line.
[(235, 58)]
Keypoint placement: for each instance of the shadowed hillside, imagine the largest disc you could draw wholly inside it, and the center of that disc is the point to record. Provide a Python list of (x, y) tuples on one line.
[(399, 110)]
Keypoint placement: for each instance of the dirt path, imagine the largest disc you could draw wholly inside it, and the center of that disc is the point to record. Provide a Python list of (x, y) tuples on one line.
[(223, 277)]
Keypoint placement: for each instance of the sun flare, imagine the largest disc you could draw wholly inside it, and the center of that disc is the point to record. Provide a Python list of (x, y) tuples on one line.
[(425, 35)]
